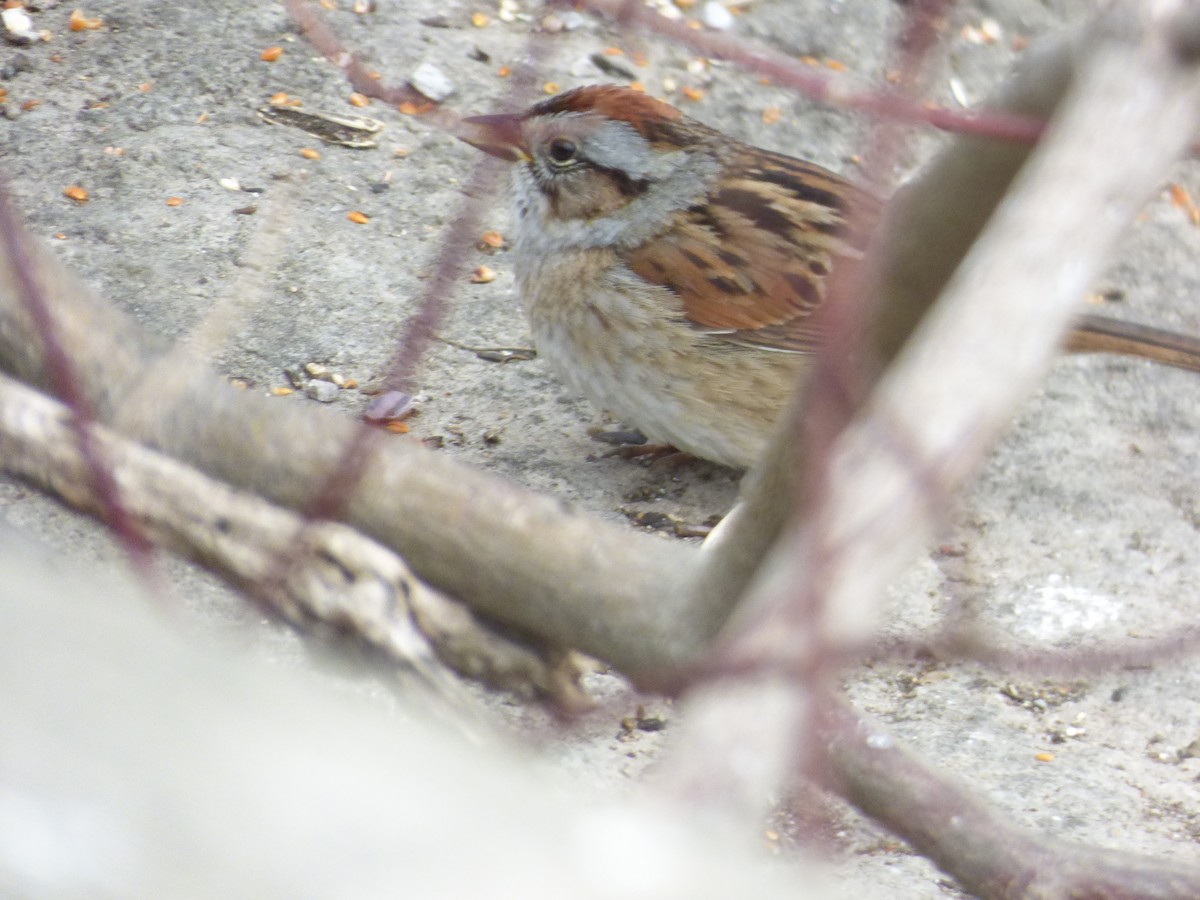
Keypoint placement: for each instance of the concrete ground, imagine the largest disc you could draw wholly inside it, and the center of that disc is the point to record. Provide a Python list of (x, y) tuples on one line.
[(1082, 525)]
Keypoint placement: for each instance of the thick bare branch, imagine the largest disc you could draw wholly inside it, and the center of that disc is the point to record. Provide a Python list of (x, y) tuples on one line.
[(976, 843), (337, 579), (521, 558)]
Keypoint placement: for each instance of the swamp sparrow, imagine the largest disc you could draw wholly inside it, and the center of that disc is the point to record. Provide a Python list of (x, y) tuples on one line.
[(670, 273)]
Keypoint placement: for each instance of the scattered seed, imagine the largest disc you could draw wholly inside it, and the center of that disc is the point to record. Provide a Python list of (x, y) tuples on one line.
[(694, 94), (30, 104), (483, 275), (771, 115), (175, 201), (550, 88), (493, 239), (271, 54), (281, 391), (358, 218), (479, 19), (80, 22), (310, 153), (359, 100), (1183, 200), (504, 71), (1044, 757), (76, 193)]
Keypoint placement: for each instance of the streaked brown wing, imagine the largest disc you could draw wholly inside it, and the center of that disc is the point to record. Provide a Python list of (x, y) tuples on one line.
[(751, 263)]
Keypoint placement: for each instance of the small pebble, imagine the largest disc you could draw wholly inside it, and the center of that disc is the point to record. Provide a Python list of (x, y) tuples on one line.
[(571, 20), (322, 391), (432, 82), (716, 16), (390, 405), (18, 27)]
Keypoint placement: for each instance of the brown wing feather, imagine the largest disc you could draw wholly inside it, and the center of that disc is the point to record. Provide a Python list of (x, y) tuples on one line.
[(751, 263)]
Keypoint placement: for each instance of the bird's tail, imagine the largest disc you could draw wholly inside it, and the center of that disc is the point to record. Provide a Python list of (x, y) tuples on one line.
[(1100, 334)]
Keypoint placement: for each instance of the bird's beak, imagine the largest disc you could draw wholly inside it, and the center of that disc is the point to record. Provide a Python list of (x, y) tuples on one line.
[(498, 135)]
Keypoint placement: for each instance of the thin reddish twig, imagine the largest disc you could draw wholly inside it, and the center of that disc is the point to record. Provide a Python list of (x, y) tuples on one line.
[(65, 383), (884, 104)]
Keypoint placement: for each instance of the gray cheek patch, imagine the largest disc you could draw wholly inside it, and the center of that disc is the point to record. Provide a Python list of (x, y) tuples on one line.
[(677, 179)]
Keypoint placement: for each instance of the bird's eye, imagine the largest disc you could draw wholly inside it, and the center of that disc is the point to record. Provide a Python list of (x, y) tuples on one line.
[(561, 151)]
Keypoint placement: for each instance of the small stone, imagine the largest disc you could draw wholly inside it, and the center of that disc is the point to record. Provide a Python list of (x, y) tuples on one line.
[(316, 370), (20, 62), (18, 27), (432, 82), (296, 375), (389, 406), (572, 20), (322, 391), (716, 16)]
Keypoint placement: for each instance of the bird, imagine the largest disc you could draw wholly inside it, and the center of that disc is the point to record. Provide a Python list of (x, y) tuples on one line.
[(673, 274)]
